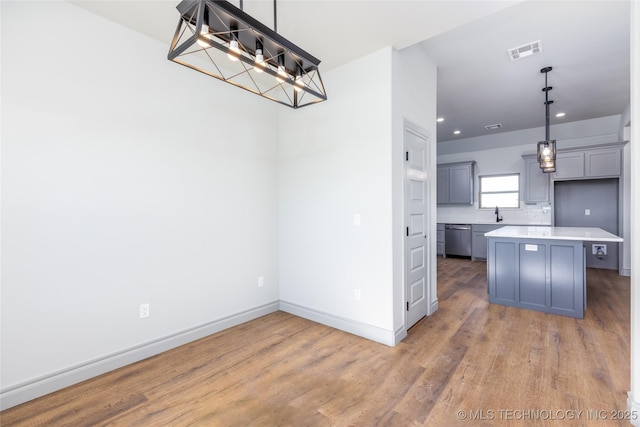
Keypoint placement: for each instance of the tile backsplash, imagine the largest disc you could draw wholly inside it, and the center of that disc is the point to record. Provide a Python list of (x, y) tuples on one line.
[(537, 214)]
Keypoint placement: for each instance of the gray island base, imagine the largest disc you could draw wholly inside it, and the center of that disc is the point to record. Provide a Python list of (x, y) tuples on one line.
[(541, 268)]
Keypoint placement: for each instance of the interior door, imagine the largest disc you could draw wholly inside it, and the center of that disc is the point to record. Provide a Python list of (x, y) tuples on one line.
[(590, 203), (416, 222)]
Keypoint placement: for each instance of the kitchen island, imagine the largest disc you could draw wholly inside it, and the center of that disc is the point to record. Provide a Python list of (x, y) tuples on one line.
[(541, 268)]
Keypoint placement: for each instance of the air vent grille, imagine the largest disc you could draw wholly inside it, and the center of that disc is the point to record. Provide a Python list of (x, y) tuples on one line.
[(525, 50), (494, 126)]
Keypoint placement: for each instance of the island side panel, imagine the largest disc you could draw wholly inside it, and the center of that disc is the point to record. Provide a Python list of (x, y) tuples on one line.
[(503, 275), (537, 274), (568, 290)]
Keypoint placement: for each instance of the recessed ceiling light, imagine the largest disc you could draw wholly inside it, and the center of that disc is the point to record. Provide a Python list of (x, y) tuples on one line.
[(560, 114), (456, 132), (440, 119)]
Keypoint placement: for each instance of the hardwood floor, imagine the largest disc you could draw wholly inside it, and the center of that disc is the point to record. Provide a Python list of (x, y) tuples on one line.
[(495, 364)]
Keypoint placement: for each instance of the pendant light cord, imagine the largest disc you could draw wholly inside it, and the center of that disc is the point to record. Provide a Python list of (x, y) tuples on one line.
[(546, 100), (275, 17)]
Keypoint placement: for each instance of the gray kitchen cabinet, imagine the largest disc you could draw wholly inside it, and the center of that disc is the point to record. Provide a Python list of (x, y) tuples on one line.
[(603, 163), (455, 183), (569, 165), (536, 182), (443, 185), (596, 162), (479, 241), (440, 239), (541, 275)]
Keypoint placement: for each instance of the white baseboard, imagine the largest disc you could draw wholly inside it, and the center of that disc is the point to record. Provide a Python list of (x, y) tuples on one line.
[(434, 307), (634, 410), (382, 336), (400, 334), (29, 390), (625, 272)]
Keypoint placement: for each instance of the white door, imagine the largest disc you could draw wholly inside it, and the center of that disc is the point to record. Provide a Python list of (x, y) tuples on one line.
[(416, 223)]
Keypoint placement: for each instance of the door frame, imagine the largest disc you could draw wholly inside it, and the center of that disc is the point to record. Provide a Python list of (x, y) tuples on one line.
[(430, 221)]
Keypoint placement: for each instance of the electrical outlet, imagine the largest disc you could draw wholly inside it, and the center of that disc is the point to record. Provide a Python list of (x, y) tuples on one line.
[(587, 212), (260, 281), (357, 294), (357, 219), (144, 310), (597, 249)]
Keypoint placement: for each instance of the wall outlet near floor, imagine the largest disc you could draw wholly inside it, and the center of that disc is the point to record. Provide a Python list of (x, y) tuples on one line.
[(357, 294), (260, 281), (144, 311)]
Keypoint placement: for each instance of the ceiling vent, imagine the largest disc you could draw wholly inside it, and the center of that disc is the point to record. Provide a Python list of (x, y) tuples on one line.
[(493, 127), (525, 50)]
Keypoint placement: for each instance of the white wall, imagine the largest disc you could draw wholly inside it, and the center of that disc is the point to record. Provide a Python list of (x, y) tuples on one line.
[(335, 162), (506, 157), (633, 401), (126, 179), (414, 104)]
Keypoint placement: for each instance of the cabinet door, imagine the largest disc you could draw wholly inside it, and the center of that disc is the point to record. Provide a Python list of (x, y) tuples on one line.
[(570, 165), (536, 183), (461, 184), (532, 280), (604, 162), (478, 245), (443, 185), (479, 240)]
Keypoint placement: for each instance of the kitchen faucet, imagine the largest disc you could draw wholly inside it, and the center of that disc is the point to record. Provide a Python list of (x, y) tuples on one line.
[(498, 217)]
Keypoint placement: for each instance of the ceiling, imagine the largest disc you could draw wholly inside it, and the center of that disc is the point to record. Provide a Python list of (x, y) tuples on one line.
[(586, 43)]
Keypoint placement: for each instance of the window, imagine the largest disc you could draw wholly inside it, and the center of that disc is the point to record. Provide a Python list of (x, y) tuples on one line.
[(502, 191)]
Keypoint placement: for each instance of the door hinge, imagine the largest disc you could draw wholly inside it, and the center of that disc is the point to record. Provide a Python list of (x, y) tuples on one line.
[(407, 231), (407, 305), (406, 156)]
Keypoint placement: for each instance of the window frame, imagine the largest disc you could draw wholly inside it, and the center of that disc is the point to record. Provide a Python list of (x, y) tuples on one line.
[(480, 192)]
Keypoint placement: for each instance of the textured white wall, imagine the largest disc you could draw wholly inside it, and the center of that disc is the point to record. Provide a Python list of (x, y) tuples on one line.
[(334, 162), (125, 179)]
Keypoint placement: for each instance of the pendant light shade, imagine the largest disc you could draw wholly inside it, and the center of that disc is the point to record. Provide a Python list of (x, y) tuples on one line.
[(546, 152), (547, 148), (220, 40)]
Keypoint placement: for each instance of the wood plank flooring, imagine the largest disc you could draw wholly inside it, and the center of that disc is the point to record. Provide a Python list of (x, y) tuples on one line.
[(498, 365)]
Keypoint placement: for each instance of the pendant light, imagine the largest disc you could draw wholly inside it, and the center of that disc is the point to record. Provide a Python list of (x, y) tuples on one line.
[(547, 148), (216, 38)]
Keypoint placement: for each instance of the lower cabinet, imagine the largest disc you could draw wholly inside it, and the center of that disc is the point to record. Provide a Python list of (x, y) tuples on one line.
[(440, 239), (479, 241), (541, 275)]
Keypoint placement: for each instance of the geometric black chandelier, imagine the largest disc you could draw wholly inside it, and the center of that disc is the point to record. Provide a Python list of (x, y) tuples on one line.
[(220, 40), (547, 148)]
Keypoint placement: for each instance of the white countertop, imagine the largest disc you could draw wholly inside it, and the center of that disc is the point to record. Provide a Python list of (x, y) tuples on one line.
[(555, 233)]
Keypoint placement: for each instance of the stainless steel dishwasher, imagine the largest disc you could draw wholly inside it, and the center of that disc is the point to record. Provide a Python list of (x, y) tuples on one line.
[(457, 239)]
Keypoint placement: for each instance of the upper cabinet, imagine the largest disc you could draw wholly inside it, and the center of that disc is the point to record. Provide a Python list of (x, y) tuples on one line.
[(569, 165), (536, 182), (602, 162), (455, 183)]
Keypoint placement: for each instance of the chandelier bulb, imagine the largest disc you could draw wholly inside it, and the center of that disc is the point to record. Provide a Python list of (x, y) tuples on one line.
[(204, 36), (259, 63), (234, 49), (282, 72)]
